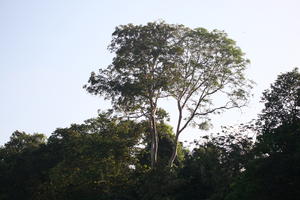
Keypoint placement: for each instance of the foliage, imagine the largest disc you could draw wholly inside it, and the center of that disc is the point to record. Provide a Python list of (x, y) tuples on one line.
[(213, 165), (97, 162), (138, 77), (104, 158), (280, 115), (20, 141), (22, 165), (274, 173), (282, 101), (210, 66), (161, 60), (108, 157)]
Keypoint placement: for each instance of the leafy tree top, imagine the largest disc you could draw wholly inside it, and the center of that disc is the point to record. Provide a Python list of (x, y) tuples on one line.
[(282, 101)]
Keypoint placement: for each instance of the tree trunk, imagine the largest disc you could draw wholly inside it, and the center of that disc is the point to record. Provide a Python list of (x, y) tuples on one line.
[(154, 139), (174, 152), (178, 131)]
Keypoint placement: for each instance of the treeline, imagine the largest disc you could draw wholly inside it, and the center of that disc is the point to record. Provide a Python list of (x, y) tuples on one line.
[(108, 157)]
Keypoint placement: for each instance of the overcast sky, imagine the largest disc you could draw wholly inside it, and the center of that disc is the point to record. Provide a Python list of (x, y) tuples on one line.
[(48, 49)]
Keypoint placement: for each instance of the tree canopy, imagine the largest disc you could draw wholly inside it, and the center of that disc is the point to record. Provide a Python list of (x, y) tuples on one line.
[(160, 60)]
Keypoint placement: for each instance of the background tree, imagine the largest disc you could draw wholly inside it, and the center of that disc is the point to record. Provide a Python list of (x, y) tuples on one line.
[(281, 112), (23, 163), (20, 141), (274, 173), (98, 160), (214, 164), (93, 160)]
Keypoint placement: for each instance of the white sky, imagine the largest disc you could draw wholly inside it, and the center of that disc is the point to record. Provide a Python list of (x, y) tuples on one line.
[(48, 49)]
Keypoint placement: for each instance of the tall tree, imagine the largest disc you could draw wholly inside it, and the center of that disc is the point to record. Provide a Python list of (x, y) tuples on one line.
[(208, 78), (160, 60), (137, 77)]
